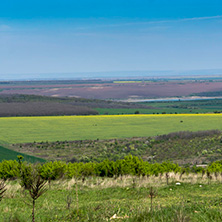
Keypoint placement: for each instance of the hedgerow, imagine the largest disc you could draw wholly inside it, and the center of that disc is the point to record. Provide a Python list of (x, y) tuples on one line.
[(130, 165)]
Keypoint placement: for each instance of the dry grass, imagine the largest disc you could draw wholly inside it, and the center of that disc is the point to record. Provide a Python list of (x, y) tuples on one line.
[(12, 189), (133, 181)]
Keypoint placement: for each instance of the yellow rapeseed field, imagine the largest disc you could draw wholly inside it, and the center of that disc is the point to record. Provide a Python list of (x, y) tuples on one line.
[(29, 129)]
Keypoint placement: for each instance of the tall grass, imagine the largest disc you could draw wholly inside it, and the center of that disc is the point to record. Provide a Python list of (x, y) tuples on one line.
[(109, 199)]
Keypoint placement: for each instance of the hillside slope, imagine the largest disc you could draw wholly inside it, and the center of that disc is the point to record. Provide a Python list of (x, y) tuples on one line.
[(181, 147), (7, 154)]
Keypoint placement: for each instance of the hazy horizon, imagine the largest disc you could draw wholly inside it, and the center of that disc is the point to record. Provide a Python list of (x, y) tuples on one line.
[(113, 75)]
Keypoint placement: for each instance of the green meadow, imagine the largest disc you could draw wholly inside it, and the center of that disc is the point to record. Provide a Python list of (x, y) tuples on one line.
[(121, 199), (7, 154), (30, 129), (169, 107)]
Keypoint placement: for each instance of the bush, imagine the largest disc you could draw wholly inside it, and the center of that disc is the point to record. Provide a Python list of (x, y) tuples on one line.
[(9, 169)]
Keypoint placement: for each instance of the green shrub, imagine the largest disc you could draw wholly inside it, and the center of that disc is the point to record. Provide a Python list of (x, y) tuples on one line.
[(9, 169)]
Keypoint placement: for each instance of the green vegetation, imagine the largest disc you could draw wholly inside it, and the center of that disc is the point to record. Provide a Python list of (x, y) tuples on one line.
[(188, 196), (102, 200), (7, 154), (113, 111), (181, 147), (119, 166), (30, 129), (208, 94), (130, 165), (169, 107), (195, 106)]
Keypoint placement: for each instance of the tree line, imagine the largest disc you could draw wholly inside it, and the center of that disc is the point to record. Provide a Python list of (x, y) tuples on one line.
[(130, 165)]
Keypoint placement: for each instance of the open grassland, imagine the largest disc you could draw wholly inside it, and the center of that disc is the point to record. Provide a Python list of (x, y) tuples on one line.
[(29, 129), (121, 199), (7, 154)]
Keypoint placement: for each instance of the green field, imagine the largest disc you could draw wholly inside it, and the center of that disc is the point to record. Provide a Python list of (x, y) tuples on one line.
[(128, 198), (6, 154), (159, 109), (169, 107), (113, 111), (193, 106), (30, 129)]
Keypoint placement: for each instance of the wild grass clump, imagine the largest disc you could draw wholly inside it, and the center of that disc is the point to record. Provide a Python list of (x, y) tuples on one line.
[(2, 189), (166, 214)]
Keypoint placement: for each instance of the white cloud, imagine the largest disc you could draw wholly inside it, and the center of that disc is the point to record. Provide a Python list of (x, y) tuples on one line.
[(163, 21), (202, 18)]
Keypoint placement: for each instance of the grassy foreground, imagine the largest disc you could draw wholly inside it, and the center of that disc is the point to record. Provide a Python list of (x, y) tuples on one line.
[(121, 199), (29, 129)]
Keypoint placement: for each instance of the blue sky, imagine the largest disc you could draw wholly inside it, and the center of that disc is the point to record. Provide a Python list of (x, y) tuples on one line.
[(64, 36)]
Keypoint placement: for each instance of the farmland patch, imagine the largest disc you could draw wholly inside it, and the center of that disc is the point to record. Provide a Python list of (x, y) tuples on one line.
[(30, 129)]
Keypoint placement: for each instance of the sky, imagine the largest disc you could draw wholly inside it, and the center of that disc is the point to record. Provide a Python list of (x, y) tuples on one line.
[(57, 38)]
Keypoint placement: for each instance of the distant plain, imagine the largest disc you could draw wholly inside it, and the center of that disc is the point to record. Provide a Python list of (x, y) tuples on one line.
[(115, 90)]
